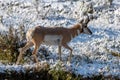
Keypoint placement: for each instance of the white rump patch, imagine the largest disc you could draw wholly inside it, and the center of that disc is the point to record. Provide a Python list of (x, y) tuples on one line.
[(52, 39)]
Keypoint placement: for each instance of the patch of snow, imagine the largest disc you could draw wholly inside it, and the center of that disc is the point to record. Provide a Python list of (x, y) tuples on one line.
[(92, 53)]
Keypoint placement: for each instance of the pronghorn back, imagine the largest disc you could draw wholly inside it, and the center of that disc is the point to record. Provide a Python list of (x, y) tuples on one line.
[(54, 35)]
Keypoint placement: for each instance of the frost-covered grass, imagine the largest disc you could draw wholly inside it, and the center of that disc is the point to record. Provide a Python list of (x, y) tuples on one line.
[(93, 55)]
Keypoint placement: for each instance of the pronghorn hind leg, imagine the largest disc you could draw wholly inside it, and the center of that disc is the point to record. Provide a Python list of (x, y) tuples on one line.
[(34, 53), (66, 46), (22, 50)]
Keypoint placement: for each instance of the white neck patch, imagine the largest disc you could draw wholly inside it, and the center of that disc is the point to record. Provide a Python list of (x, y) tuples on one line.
[(78, 31), (71, 36)]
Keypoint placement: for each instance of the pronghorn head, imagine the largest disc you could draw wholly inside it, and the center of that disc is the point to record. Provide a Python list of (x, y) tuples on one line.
[(84, 25)]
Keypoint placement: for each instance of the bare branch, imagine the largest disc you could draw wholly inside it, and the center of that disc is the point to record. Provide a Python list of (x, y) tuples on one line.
[(46, 14)]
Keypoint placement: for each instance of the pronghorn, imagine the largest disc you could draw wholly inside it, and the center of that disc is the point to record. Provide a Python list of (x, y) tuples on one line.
[(59, 36)]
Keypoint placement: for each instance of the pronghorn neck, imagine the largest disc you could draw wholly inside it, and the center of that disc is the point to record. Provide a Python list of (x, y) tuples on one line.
[(75, 30)]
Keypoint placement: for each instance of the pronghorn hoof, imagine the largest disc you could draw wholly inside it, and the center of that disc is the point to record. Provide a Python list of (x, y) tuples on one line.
[(20, 49), (17, 63), (38, 63), (68, 63)]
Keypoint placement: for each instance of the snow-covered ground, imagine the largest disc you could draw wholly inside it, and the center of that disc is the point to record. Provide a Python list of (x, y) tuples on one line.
[(92, 53)]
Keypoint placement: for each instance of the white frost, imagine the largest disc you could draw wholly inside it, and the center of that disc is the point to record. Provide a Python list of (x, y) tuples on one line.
[(92, 53)]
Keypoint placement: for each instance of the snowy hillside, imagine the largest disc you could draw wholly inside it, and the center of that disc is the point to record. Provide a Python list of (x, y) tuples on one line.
[(93, 54)]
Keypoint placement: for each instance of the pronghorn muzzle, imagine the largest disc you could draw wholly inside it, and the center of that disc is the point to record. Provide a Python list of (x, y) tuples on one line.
[(87, 31)]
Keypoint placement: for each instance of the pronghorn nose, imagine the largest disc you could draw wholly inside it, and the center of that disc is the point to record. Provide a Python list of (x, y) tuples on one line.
[(90, 33)]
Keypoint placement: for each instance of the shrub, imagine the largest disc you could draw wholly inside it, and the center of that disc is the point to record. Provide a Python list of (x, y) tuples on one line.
[(58, 73), (10, 41)]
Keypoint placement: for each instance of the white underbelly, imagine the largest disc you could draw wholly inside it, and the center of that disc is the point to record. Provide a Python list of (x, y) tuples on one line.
[(52, 39)]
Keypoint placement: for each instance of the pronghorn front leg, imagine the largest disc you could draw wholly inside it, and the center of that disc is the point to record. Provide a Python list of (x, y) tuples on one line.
[(22, 50), (59, 51), (66, 46)]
